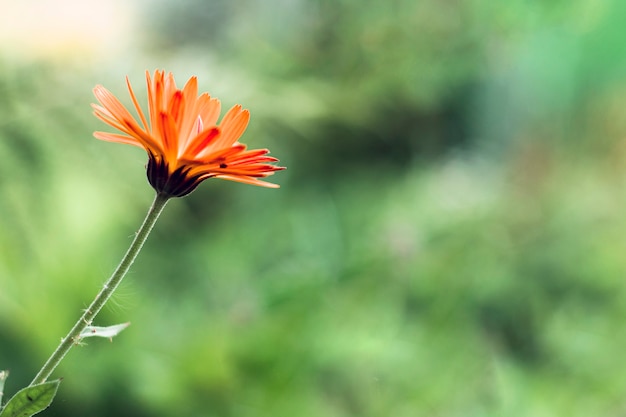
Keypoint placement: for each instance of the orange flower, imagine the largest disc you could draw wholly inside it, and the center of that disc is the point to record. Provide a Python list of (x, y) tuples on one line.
[(185, 144)]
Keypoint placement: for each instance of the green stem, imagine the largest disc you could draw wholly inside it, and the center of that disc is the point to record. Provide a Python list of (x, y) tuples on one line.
[(73, 337)]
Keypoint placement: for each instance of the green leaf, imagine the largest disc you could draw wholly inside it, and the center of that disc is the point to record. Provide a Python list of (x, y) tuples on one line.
[(109, 332), (31, 400)]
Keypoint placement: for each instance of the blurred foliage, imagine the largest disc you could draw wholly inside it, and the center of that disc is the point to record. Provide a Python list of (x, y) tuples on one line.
[(448, 239)]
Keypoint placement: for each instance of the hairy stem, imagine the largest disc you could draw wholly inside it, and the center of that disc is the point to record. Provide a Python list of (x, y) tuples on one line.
[(73, 337)]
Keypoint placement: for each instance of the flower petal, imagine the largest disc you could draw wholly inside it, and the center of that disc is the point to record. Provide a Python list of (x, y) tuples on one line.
[(114, 137), (248, 180), (233, 125)]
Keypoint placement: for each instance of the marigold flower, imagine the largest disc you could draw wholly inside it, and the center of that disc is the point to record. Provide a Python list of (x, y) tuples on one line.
[(184, 142)]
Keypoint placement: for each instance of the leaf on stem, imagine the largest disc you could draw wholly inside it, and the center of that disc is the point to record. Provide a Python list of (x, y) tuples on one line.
[(31, 400), (109, 332)]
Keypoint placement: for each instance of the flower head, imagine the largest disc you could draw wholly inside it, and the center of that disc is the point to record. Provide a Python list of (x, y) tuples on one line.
[(180, 133)]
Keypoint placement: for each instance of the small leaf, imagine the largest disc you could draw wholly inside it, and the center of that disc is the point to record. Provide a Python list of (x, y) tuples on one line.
[(109, 332), (3, 377), (31, 400)]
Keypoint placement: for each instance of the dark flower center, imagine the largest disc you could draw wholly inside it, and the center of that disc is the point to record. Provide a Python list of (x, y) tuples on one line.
[(175, 184)]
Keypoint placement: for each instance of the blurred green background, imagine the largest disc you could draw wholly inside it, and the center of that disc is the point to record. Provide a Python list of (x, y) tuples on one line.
[(448, 239)]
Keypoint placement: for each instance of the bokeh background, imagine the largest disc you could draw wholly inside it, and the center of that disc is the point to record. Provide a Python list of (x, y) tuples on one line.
[(448, 240)]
